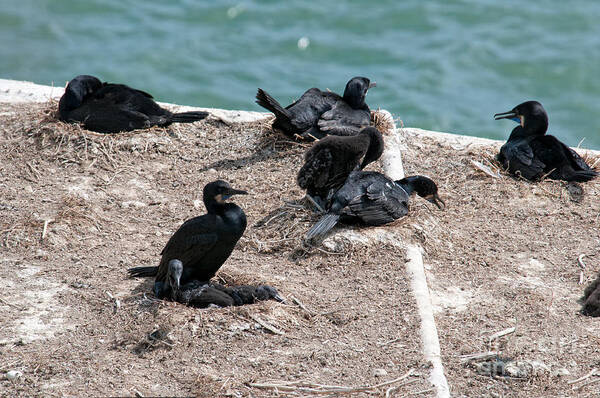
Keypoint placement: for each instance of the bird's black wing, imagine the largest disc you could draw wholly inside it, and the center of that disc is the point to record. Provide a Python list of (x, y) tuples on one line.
[(382, 203), (576, 161), (203, 296), (121, 91), (316, 169), (519, 157), (131, 99), (188, 244), (343, 120), (312, 104)]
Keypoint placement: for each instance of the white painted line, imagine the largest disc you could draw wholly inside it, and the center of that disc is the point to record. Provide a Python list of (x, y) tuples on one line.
[(392, 165), (429, 334)]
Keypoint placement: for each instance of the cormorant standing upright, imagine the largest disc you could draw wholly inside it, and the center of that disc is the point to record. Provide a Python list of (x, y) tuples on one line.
[(202, 244), (330, 160), (374, 199), (533, 154), (318, 113), (111, 108)]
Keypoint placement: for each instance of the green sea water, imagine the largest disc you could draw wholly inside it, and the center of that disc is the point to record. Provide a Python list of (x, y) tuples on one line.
[(440, 65)]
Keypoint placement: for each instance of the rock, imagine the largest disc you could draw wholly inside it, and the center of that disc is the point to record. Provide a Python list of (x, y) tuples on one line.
[(524, 369), (379, 372), (13, 374), (521, 369), (561, 372), (133, 203)]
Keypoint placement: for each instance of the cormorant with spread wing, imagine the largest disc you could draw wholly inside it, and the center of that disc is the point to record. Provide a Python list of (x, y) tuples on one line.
[(374, 199), (329, 162), (318, 113)]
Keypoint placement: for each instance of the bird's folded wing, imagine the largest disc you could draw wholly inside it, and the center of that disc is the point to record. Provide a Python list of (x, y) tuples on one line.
[(380, 206), (343, 120), (576, 161)]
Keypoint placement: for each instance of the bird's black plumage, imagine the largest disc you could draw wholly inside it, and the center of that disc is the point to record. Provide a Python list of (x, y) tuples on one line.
[(111, 108), (373, 199), (531, 153), (330, 161), (198, 294), (591, 299), (318, 113), (203, 243)]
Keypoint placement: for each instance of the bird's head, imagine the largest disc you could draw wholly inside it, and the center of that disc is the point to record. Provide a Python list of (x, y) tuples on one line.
[(531, 115), (76, 92), (266, 292), (219, 191), (356, 91), (174, 273), (426, 188)]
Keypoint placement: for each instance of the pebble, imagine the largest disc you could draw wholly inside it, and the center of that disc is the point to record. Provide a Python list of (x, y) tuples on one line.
[(561, 372), (13, 374), (379, 372)]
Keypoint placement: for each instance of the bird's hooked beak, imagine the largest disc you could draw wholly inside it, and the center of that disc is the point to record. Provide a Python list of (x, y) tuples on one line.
[(278, 298), (436, 200), (372, 84), (222, 197), (512, 115)]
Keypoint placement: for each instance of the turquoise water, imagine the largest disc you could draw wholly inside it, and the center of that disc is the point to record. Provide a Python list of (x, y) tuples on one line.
[(440, 65)]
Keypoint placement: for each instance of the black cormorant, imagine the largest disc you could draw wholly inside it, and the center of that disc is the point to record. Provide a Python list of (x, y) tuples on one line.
[(318, 113), (199, 294), (110, 108), (330, 160), (374, 199), (203, 243), (531, 153), (591, 299)]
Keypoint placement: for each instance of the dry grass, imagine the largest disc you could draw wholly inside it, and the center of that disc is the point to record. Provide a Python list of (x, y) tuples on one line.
[(76, 326)]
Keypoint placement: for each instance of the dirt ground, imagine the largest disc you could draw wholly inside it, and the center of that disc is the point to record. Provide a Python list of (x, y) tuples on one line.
[(77, 209)]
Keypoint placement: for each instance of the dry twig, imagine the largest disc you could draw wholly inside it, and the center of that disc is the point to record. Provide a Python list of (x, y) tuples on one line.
[(582, 266), (313, 388)]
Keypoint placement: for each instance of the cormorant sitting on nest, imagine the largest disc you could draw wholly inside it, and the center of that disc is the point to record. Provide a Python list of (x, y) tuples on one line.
[(329, 162), (318, 113), (531, 153), (111, 108), (201, 294), (374, 199), (203, 243), (591, 299)]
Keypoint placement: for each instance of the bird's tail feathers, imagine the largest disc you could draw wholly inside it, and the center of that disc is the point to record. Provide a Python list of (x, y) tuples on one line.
[(322, 226), (582, 175), (266, 101), (142, 271), (188, 117)]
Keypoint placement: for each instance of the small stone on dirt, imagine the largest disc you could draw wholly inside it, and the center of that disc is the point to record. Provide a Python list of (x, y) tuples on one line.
[(13, 374), (379, 372)]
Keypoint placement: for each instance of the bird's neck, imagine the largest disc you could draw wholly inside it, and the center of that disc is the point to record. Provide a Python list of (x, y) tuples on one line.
[(356, 101), (408, 184), (536, 126), (374, 149), (230, 212)]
